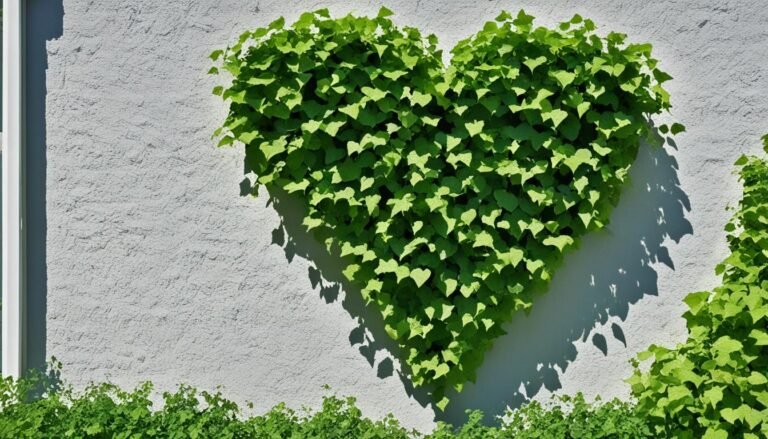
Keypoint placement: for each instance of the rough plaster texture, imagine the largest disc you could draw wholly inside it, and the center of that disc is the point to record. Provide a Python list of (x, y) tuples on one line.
[(147, 263)]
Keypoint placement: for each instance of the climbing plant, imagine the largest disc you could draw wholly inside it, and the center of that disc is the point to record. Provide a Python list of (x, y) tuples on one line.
[(452, 191), (715, 384)]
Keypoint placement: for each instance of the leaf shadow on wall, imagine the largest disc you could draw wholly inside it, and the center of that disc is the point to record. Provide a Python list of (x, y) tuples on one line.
[(611, 270), (325, 275)]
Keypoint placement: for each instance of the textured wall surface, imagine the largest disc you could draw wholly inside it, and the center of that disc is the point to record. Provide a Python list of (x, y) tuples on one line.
[(147, 263)]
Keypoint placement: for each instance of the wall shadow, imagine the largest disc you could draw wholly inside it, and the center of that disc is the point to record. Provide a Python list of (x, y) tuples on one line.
[(44, 22), (610, 271), (325, 275)]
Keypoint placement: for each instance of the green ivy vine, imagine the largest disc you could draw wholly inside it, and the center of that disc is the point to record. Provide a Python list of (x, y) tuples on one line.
[(715, 384), (452, 191)]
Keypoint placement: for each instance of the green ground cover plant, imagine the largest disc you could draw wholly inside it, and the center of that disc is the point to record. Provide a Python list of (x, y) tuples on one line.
[(715, 385), (451, 190), (106, 411)]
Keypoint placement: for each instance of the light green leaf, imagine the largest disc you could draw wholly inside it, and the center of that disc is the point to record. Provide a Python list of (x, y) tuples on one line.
[(696, 301), (332, 128), (420, 276), (273, 148), (760, 337), (474, 128), (450, 286), (561, 242), (384, 12), (386, 266), (532, 63), (420, 99), (715, 433), (726, 345), (468, 216), (557, 116), (563, 77), (511, 257), (441, 369), (296, 186), (483, 239), (452, 142)]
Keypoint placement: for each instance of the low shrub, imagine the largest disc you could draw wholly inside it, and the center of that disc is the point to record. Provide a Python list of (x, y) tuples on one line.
[(106, 411), (564, 417), (715, 384)]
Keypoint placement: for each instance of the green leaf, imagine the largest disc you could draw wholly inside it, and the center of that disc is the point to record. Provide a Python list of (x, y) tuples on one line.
[(216, 54), (273, 148), (332, 128), (580, 157), (420, 99), (726, 345), (450, 286), (387, 266), (532, 63), (420, 276), (350, 271), (741, 161), (564, 78), (296, 186), (676, 128), (374, 93), (582, 108), (696, 301), (474, 128), (452, 142), (561, 242), (557, 116), (715, 433), (483, 239), (713, 396), (401, 205), (277, 24), (248, 137), (384, 12), (442, 403), (506, 200), (760, 337), (512, 257), (468, 216), (730, 415)]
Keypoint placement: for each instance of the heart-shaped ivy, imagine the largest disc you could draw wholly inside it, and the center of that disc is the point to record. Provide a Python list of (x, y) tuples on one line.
[(452, 192)]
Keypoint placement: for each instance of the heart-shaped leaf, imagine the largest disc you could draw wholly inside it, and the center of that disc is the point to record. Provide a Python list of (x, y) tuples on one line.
[(452, 191)]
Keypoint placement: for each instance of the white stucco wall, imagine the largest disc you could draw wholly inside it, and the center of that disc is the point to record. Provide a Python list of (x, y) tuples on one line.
[(146, 263)]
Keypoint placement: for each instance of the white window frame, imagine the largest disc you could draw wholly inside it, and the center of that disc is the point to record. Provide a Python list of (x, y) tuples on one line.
[(13, 178)]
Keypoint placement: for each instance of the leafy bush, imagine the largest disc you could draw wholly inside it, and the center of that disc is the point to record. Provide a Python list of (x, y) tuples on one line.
[(452, 191), (715, 385), (565, 417), (106, 411)]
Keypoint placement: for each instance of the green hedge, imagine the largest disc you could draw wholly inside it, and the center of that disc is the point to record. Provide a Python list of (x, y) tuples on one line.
[(106, 411), (715, 385)]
